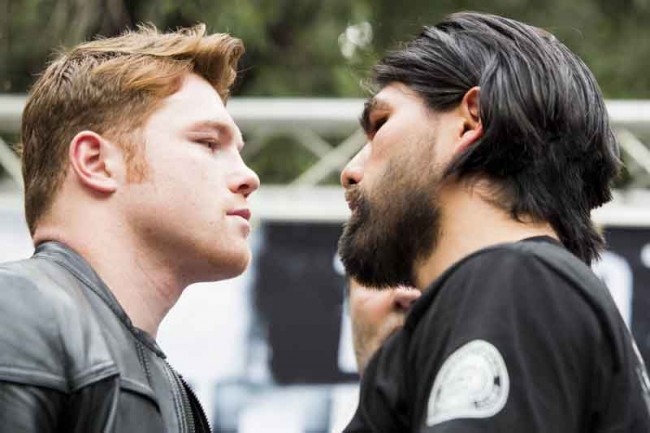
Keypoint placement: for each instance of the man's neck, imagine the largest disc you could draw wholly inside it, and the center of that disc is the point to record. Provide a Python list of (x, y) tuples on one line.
[(145, 287), (470, 223)]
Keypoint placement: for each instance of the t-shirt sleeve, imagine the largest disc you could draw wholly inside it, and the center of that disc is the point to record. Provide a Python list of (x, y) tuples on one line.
[(507, 345)]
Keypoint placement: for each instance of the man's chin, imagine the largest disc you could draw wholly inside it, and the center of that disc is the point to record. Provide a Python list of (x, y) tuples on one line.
[(222, 267), (364, 265), (239, 265), (369, 272)]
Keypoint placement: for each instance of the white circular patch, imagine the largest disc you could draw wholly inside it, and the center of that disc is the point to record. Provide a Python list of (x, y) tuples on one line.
[(645, 255), (472, 383)]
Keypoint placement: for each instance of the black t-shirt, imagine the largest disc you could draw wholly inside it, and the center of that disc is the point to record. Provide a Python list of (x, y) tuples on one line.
[(519, 337)]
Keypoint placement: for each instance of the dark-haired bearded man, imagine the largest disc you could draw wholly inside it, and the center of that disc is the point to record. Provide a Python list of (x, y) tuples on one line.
[(488, 144)]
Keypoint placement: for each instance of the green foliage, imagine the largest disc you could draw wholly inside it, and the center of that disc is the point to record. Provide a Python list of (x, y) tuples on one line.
[(294, 47), (323, 48)]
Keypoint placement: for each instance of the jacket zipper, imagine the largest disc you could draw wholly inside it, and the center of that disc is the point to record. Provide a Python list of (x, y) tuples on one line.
[(180, 401), (198, 414), (190, 404)]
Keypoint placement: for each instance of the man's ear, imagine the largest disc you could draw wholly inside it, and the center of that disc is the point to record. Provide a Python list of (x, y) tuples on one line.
[(470, 111), (95, 161)]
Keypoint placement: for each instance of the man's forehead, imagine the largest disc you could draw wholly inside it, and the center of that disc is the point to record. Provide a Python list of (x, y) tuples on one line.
[(197, 92), (390, 95)]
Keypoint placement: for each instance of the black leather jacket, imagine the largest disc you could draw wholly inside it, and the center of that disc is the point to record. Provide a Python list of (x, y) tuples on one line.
[(72, 361)]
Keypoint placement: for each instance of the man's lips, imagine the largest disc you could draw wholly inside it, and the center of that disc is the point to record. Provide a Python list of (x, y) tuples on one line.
[(244, 213)]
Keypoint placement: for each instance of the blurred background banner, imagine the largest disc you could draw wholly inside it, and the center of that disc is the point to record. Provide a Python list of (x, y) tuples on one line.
[(271, 351)]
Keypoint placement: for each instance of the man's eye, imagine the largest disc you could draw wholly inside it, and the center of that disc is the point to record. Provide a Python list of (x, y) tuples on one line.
[(377, 124), (208, 142)]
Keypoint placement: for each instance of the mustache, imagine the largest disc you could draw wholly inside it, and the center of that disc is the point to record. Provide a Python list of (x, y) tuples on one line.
[(356, 198)]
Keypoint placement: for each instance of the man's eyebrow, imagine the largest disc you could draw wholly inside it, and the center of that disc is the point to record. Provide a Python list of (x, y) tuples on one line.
[(214, 125), (369, 106)]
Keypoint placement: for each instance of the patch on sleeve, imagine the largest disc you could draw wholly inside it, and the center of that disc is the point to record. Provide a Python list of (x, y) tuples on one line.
[(472, 383)]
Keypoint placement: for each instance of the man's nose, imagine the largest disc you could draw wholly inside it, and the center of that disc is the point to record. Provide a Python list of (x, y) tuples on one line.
[(245, 181), (353, 171)]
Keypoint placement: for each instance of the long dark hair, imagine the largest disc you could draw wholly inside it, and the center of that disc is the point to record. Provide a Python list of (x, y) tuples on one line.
[(547, 148)]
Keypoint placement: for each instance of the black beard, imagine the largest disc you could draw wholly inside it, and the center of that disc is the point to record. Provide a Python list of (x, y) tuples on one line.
[(386, 237)]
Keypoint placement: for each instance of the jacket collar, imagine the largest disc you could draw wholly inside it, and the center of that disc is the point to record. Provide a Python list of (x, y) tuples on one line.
[(69, 259)]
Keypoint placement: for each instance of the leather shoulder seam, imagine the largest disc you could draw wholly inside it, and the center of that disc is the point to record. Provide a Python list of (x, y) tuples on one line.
[(28, 376), (94, 374), (139, 388)]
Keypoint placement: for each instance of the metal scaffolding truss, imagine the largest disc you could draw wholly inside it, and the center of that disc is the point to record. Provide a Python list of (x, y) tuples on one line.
[(312, 123)]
